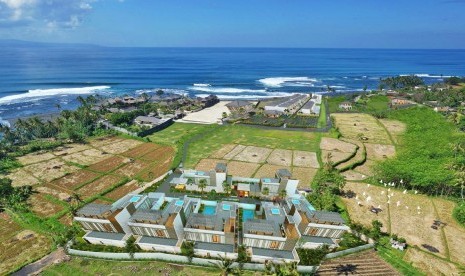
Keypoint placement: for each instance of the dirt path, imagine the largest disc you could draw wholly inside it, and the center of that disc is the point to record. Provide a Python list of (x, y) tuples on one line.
[(35, 268)]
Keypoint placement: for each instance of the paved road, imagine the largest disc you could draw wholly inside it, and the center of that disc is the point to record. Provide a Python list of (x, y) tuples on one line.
[(56, 256)]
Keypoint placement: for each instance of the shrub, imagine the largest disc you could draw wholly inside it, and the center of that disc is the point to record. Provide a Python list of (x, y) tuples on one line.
[(349, 241), (459, 213), (312, 256)]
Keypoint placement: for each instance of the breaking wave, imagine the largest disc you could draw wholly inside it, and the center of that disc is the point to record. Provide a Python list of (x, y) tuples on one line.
[(225, 90), (288, 81), (44, 93)]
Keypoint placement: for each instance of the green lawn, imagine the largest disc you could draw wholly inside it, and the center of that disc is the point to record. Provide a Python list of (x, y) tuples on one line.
[(246, 135), (322, 118), (370, 104), (179, 131), (82, 266)]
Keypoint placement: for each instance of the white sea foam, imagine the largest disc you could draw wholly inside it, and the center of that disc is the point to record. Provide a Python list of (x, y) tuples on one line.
[(226, 90), (287, 81), (202, 84), (35, 94), (251, 96)]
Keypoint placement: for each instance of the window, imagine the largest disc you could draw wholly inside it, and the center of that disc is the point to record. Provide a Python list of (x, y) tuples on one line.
[(274, 245), (216, 238)]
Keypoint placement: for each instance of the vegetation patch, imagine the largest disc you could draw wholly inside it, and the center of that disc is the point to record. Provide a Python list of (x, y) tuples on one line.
[(109, 164), (429, 264), (268, 170), (208, 164), (235, 151), (280, 157), (44, 207), (141, 150), (50, 170), (120, 146), (86, 157), (122, 190), (358, 125), (242, 169), (223, 151), (75, 180), (69, 149), (305, 159), (253, 154), (395, 128), (379, 151), (331, 144), (304, 175), (100, 185), (160, 153), (132, 168), (20, 177), (35, 157)]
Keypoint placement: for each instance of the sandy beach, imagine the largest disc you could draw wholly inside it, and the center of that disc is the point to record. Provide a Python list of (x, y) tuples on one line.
[(210, 115)]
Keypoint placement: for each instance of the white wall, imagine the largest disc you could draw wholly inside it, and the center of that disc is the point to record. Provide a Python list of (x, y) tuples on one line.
[(291, 186), (122, 218)]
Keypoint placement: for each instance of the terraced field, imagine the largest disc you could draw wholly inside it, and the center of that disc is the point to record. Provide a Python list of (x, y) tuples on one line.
[(364, 263)]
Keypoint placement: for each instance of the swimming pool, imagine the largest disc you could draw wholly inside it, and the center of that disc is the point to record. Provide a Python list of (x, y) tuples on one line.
[(248, 214), (134, 199), (209, 210)]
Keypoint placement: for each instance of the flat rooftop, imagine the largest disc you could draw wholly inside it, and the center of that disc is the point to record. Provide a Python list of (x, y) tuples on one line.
[(219, 247), (262, 227), (158, 241), (278, 254), (106, 235)]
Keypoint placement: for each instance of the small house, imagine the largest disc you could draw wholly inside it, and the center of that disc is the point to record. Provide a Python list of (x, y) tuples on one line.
[(345, 106)]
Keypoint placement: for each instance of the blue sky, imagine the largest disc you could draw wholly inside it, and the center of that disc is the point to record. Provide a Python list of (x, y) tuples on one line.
[(239, 23)]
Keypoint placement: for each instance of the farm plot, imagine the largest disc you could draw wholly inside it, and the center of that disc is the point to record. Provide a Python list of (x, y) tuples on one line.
[(455, 234), (331, 144), (122, 190), (354, 125), (157, 169), (364, 263), (304, 175), (412, 219), (367, 168), (253, 154), (49, 189), (160, 153), (102, 141), (395, 128), (334, 156), (120, 146), (109, 164), (238, 149), (379, 151), (367, 196), (19, 246), (280, 157), (99, 185), (32, 158), (242, 169), (44, 207), (430, 264), (74, 180), (268, 170), (86, 157), (141, 150), (225, 149), (21, 178), (354, 176), (70, 149), (208, 164), (49, 170), (305, 159), (133, 168), (357, 159)]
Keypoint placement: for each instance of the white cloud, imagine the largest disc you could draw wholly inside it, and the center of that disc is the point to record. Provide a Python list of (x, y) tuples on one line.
[(44, 13)]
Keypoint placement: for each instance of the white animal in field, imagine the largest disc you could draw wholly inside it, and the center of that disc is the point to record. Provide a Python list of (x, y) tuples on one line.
[(388, 202), (382, 192), (406, 207), (416, 192), (368, 198), (381, 181), (379, 207), (389, 189), (364, 194), (404, 192), (418, 208), (392, 194), (368, 185), (385, 184), (398, 203), (401, 181)]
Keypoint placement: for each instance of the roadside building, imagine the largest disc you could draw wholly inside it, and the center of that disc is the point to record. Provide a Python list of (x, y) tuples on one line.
[(346, 106), (239, 105)]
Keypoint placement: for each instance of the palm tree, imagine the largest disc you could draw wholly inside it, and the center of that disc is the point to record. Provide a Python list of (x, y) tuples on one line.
[(202, 184), (227, 187), (225, 265)]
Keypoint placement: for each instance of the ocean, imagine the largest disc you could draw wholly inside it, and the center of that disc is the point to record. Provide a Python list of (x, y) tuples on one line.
[(34, 79)]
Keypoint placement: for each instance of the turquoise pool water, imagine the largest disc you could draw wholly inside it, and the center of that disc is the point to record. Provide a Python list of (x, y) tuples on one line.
[(209, 210), (248, 214)]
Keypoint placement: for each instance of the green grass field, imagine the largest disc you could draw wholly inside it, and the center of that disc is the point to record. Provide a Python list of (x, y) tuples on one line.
[(179, 131), (372, 104), (251, 136), (322, 118), (82, 266)]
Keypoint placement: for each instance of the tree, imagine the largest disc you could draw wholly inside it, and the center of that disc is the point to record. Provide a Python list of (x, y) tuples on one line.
[(202, 184), (187, 249), (375, 232), (285, 269), (242, 256), (131, 246), (227, 187), (225, 265)]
